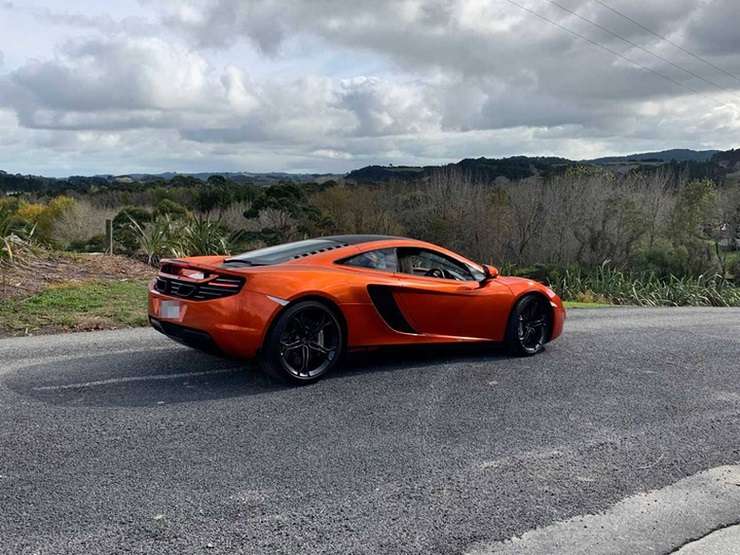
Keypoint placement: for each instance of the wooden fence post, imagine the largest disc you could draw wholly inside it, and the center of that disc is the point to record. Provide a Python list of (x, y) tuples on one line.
[(109, 235)]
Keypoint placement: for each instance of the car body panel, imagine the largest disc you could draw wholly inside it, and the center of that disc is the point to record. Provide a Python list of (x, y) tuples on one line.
[(377, 307), (454, 308)]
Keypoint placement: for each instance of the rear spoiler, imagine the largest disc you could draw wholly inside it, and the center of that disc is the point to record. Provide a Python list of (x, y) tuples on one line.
[(173, 267)]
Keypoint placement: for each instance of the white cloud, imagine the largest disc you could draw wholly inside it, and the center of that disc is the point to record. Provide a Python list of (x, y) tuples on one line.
[(99, 74), (272, 84)]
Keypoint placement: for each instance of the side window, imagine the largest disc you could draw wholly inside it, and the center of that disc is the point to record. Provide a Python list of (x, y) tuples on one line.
[(422, 262), (381, 259)]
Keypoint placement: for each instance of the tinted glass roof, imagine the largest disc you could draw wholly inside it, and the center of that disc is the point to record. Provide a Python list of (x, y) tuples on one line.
[(298, 249)]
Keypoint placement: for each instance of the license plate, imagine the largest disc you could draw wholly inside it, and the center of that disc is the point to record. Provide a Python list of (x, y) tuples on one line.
[(169, 309)]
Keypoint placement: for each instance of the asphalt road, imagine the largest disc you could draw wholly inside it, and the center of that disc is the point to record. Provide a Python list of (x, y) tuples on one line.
[(122, 441)]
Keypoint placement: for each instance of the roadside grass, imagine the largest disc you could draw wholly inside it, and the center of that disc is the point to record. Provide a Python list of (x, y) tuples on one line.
[(78, 306), (607, 285)]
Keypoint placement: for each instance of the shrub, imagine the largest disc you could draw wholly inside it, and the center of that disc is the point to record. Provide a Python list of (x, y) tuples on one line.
[(156, 239), (201, 236), (125, 232), (170, 208), (16, 234), (44, 216), (81, 223), (618, 287), (733, 268), (97, 243), (663, 260), (233, 217), (164, 236)]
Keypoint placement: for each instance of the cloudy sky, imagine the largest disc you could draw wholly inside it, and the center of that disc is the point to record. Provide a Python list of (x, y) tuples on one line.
[(330, 85)]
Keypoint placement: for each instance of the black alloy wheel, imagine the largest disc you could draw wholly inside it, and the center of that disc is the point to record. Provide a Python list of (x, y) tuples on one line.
[(529, 325), (305, 343)]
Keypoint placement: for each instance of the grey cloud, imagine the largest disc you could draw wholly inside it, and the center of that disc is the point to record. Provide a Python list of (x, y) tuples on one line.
[(383, 109), (99, 121), (714, 31), (440, 34), (256, 130), (449, 79), (307, 110), (101, 22), (664, 18), (214, 26)]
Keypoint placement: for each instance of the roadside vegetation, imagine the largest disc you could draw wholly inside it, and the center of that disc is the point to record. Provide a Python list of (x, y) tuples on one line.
[(649, 236), (76, 307), (606, 285)]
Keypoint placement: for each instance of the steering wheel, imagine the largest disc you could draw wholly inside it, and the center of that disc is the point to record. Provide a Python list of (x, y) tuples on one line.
[(435, 272)]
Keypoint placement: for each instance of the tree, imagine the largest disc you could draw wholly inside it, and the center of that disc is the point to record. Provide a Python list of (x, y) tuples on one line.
[(216, 180), (285, 213), (694, 216)]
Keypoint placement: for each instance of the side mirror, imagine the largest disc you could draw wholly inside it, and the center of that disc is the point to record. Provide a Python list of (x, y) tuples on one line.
[(491, 272)]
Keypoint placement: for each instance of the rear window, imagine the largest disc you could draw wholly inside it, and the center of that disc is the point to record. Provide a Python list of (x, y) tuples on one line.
[(282, 253)]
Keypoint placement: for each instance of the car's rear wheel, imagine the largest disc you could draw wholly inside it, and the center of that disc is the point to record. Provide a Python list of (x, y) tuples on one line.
[(305, 343), (529, 325)]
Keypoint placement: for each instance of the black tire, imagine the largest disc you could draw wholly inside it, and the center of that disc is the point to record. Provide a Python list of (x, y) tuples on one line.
[(529, 326), (305, 344)]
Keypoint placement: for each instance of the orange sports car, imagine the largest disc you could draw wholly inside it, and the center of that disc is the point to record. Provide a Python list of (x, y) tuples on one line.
[(300, 306)]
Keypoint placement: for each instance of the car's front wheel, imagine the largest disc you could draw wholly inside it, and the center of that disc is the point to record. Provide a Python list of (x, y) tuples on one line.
[(529, 325), (305, 343)]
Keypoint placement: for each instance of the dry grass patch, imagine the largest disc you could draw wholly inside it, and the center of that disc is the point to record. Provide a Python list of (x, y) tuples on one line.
[(39, 269)]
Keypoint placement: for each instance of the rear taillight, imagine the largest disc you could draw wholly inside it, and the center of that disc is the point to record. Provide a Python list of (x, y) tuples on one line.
[(196, 284)]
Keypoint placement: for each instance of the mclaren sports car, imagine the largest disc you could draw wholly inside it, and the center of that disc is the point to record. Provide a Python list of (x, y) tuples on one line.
[(298, 307)]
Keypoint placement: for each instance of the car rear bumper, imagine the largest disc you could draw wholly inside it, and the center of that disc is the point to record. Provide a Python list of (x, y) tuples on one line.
[(196, 339), (234, 325)]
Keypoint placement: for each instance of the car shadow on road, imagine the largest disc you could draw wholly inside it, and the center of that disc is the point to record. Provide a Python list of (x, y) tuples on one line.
[(180, 375), (413, 356)]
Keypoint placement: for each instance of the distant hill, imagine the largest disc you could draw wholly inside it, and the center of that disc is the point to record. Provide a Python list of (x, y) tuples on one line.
[(479, 169), (240, 177), (729, 165), (674, 155), (19, 183), (722, 166), (728, 159), (701, 164)]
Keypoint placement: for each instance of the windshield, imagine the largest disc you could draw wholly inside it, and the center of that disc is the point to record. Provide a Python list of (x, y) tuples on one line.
[(283, 253)]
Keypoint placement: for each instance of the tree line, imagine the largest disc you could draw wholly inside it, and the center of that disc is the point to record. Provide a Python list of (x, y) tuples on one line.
[(661, 221)]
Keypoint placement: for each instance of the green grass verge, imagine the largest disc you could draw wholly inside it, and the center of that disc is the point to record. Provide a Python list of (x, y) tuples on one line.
[(576, 304), (77, 306)]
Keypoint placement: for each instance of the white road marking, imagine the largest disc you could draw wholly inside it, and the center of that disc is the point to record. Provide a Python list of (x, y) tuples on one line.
[(28, 358), (136, 379)]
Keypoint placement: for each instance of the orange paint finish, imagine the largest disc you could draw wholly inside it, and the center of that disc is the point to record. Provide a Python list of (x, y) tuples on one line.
[(404, 308), (236, 324), (452, 308)]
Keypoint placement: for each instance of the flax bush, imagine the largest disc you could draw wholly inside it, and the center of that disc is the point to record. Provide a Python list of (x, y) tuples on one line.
[(604, 283)]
